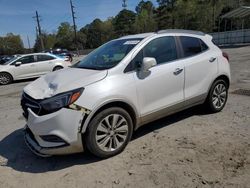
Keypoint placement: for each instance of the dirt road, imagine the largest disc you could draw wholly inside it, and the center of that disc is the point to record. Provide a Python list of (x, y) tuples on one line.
[(189, 149)]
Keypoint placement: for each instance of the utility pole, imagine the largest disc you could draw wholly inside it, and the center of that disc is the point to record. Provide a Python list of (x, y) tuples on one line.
[(124, 4), (28, 41), (74, 23), (37, 17)]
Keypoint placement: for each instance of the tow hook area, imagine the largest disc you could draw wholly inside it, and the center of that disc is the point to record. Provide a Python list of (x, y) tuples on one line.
[(85, 113)]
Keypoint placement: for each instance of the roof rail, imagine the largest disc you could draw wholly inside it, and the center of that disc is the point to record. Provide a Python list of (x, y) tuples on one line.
[(181, 31)]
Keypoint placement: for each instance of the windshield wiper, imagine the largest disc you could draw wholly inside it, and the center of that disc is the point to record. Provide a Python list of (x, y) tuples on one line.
[(91, 68)]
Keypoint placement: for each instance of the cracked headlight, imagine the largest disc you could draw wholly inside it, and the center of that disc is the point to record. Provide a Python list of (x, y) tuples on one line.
[(61, 100)]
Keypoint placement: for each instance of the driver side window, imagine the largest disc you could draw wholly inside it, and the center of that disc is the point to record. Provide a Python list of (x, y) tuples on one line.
[(163, 49), (26, 59)]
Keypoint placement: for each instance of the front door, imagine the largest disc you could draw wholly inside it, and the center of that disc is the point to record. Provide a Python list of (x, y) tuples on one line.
[(160, 89), (27, 69)]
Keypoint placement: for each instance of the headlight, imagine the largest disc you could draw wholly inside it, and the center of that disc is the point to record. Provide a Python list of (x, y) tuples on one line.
[(61, 100)]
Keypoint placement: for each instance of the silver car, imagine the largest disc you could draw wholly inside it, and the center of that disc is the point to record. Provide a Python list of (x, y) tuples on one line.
[(30, 66)]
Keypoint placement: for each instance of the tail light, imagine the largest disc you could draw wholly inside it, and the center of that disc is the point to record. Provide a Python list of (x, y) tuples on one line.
[(225, 55)]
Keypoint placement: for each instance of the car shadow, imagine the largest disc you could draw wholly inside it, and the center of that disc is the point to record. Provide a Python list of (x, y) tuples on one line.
[(15, 154), (169, 120)]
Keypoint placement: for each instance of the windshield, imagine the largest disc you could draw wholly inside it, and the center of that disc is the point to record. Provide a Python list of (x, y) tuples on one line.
[(11, 60), (108, 55)]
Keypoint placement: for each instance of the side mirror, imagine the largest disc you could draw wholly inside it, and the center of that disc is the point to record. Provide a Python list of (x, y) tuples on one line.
[(18, 63), (147, 63)]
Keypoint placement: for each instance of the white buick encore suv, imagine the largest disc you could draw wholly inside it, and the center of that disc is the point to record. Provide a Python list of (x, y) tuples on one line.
[(98, 102)]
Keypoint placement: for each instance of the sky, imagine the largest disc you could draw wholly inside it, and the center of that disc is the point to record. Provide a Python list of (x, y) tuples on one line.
[(16, 16)]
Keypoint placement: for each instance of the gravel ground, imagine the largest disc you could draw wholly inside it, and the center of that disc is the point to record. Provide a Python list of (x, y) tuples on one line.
[(188, 149)]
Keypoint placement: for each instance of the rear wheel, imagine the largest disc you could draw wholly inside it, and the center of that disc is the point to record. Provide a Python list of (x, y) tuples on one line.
[(217, 96), (109, 132), (5, 78)]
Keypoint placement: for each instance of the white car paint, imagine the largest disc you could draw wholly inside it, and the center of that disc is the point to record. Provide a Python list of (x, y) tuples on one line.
[(146, 94), (32, 69)]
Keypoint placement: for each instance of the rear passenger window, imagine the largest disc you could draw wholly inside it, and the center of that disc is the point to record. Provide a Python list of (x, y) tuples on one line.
[(192, 46), (162, 49), (44, 58)]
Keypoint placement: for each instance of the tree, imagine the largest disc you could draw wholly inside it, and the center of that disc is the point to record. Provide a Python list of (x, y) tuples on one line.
[(49, 41), (124, 23), (145, 21), (98, 32), (11, 44), (65, 36), (94, 36)]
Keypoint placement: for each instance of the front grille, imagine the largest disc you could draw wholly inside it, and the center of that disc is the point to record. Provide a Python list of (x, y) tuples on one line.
[(29, 102)]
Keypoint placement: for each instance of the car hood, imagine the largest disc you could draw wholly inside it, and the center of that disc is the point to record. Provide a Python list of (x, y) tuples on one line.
[(63, 80)]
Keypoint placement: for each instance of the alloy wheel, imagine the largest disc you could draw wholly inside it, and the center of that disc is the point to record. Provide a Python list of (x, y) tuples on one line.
[(219, 96), (4, 79), (112, 132)]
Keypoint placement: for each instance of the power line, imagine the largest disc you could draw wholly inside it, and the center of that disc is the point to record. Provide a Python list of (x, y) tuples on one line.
[(37, 17), (74, 23)]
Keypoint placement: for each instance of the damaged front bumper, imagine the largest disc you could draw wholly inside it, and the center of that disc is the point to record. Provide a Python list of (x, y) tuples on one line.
[(57, 133)]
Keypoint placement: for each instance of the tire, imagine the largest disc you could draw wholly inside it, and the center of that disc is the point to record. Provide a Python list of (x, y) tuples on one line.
[(105, 143), (217, 97), (57, 68), (5, 78)]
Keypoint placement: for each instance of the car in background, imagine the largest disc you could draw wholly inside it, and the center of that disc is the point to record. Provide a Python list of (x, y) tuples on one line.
[(4, 59), (63, 53), (30, 66)]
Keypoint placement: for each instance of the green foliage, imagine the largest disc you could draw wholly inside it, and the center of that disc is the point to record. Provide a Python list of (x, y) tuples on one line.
[(124, 23), (65, 36), (11, 44), (169, 14), (49, 41)]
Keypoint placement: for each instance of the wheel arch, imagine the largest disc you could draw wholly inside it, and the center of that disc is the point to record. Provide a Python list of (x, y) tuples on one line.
[(117, 103), (223, 77), (220, 77), (59, 66)]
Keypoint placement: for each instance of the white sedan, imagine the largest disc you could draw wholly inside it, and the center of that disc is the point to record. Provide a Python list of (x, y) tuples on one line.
[(30, 66)]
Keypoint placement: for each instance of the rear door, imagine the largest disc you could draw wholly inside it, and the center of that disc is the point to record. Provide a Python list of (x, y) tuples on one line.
[(200, 68), (44, 64)]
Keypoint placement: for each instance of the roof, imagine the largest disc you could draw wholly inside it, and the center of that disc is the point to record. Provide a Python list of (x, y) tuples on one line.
[(167, 31), (240, 12), (142, 35), (181, 31)]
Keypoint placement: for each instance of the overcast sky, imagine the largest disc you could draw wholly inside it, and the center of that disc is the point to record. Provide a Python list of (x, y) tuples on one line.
[(16, 15)]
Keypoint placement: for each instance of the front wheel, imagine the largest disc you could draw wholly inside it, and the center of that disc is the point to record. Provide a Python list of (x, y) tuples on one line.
[(217, 96), (109, 132), (57, 68), (5, 78)]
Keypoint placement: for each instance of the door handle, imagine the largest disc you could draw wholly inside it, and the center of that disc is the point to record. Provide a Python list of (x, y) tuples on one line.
[(212, 59), (177, 71)]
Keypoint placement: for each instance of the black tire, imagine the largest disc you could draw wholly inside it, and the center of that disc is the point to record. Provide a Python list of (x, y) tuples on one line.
[(5, 78), (210, 102), (91, 134), (57, 68)]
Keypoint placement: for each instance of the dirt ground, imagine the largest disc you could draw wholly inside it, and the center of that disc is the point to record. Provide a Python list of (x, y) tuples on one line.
[(188, 149)]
